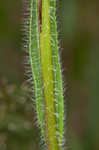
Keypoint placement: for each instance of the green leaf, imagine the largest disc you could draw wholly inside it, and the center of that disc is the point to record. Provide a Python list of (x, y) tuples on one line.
[(34, 54)]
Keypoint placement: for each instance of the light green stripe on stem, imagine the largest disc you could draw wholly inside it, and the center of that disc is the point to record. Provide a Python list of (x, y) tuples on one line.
[(47, 74)]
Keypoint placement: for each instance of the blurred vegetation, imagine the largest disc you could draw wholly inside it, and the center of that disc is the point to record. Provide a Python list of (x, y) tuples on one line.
[(79, 31)]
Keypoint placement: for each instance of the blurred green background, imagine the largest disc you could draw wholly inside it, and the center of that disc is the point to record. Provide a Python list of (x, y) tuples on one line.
[(78, 24)]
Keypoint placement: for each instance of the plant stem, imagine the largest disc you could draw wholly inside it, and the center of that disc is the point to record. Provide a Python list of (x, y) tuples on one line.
[(47, 74), (46, 71)]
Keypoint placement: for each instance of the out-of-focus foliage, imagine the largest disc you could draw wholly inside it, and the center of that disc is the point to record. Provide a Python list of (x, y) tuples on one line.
[(79, 30)]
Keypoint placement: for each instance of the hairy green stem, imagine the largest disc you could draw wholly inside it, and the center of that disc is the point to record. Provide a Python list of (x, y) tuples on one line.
[(48, 81), (46, 71)]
